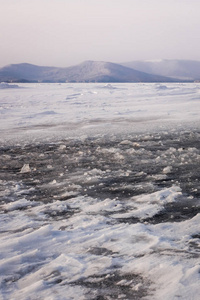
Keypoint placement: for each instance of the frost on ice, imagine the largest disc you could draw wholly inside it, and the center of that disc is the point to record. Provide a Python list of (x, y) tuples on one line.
[(91, 211)]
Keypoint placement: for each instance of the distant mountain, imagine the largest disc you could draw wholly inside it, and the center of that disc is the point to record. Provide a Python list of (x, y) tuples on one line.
[(89, 71), (180, 69)]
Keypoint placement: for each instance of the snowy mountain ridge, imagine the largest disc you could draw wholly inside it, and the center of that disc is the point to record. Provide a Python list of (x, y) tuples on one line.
[(88, 71)]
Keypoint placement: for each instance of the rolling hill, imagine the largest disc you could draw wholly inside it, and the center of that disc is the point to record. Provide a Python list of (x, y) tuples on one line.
[(180, 69), (89, 71)]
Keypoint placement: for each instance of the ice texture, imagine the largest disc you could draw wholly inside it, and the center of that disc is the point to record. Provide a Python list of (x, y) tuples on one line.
[(53, 111), (99, 192), (5, 85)]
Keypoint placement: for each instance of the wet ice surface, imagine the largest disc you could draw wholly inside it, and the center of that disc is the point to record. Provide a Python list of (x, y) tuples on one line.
[(102, 216)]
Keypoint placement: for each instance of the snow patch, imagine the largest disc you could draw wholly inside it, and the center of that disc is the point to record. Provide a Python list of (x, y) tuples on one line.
[(5, 85)]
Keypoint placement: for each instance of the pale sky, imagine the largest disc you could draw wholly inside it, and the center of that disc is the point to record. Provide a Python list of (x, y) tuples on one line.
[(67, 32)]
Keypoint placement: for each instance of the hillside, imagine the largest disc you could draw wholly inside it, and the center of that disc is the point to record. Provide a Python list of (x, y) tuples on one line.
[(89, 71), (180, 69)]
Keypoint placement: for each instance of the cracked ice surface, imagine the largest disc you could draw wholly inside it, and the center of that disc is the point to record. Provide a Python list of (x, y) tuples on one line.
[(99, 190)]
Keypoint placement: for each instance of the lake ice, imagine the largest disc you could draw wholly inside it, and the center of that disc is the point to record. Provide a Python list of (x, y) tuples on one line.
[(100, 191)]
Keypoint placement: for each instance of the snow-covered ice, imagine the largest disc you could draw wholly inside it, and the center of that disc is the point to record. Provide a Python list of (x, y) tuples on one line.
[(58, 110), (99, 188), (5, 85)]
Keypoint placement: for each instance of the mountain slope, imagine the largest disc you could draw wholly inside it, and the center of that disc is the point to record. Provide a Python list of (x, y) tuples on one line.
[(181, 69), (89, 71), (26, 72)]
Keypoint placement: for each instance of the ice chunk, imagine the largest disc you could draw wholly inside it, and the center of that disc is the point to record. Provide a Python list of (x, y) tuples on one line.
[(5, 85), (167, 169), (25, 169), (61, 147)]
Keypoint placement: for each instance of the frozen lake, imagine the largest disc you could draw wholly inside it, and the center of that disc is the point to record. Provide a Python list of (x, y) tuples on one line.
[(100, 191), (33, 112)]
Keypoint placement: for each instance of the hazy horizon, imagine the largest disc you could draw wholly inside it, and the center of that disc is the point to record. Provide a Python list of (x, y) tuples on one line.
[(63, 33)]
